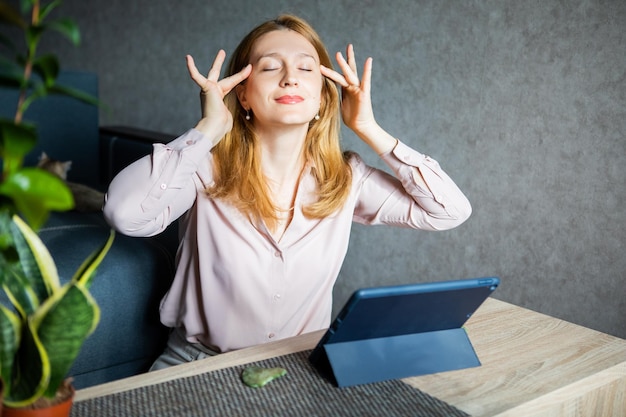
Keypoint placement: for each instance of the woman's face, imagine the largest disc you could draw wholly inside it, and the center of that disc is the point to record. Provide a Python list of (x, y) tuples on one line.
[(285, 85)]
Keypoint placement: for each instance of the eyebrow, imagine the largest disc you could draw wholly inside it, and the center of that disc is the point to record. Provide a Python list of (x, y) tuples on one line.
[(276, 54)]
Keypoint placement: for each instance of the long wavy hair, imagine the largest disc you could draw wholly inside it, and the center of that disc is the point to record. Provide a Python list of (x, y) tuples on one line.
[(238, 177)]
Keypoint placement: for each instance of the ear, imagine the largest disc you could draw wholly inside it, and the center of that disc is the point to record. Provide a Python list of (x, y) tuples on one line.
[(241, 96)]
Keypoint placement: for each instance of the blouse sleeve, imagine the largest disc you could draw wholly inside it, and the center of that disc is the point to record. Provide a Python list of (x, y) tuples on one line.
[(148, 195), (402, 201)]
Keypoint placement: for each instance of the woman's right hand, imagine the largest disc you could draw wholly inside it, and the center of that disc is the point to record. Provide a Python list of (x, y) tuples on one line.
[(216, 118)]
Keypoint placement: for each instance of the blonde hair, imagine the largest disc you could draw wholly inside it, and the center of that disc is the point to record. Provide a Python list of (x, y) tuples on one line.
[(238, 177)]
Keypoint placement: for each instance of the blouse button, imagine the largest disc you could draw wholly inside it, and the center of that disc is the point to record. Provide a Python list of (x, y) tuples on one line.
[(271, 336), (163, 186), (189, 142), (276, 297)]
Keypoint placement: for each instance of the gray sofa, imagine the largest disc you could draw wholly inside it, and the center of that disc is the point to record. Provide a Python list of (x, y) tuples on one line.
[(137, 271)]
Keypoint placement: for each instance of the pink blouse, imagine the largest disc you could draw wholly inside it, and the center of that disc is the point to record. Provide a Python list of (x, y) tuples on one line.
[(235, 286)]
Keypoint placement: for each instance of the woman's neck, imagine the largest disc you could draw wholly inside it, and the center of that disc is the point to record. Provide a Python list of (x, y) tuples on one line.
[(282, 155)]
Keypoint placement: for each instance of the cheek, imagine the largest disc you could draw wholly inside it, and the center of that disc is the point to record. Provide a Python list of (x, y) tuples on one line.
[(253, 92), (316, 89)]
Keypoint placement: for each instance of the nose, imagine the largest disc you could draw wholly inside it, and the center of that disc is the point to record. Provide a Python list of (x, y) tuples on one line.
[(289, 79)]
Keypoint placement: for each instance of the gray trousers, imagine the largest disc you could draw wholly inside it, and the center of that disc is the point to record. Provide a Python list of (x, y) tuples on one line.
[(179, 351)]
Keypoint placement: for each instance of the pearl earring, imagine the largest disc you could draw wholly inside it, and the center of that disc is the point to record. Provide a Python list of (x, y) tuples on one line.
[(317, 116), (247, 114)]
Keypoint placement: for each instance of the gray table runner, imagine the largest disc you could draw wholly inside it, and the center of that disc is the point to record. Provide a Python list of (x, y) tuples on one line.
[(302, 392)]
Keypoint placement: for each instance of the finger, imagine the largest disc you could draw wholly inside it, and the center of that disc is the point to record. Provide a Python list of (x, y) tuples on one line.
[(366, 80), (334, 76), (231, 82), (193, 71), (216, 68), (348, 74), (351, 59)]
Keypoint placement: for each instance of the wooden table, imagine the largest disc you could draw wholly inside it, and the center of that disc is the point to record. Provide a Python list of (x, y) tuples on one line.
[(532, 365)]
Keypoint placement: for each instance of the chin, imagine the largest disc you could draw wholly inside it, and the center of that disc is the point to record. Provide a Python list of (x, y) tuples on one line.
[(294, 120)]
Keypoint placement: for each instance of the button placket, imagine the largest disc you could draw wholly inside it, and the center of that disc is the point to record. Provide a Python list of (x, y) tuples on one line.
[(276, 294)]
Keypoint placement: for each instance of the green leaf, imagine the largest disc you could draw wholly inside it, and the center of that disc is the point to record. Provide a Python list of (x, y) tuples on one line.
[(31, 373), (38, 90), (27, 5), (47, 66), (46, 9), (19, 289), (62, 326), (35, 193), (67, 28), (82, 277), (33, 35), (6, 239), (9, 341), (74, 93), (15, 142), (45, 279), (30, 276), (11, 16)]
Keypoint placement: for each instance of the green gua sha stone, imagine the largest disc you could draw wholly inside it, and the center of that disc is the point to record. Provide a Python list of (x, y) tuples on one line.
[(256, 377)]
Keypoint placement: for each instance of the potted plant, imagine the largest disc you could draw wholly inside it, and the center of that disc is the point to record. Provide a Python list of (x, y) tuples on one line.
[(43, 327)]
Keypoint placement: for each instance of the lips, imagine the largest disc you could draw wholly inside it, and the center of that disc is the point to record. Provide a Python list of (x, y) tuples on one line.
[(289, 99)]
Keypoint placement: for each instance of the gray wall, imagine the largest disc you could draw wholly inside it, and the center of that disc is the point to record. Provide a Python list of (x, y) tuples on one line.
[(522, 102)]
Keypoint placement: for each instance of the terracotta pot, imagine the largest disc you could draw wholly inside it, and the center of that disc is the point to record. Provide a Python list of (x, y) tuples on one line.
[(61, 409)]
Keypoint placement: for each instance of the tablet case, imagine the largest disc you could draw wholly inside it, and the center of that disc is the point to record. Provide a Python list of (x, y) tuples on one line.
[(402, 331)]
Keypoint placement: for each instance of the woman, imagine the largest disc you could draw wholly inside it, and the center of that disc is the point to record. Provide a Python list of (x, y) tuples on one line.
[(265, 195)]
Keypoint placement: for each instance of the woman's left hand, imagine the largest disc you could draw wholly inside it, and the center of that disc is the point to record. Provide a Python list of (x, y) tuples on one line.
[(356, 104)]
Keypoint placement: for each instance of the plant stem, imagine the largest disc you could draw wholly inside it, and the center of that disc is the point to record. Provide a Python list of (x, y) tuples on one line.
[(28, 67)]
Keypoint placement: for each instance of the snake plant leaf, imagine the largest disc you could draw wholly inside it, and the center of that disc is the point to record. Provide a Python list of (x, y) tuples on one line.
[(21, 274), (87, 270), (19, 291), (62, 324), (47, 281), (31, 371), (9, 341)]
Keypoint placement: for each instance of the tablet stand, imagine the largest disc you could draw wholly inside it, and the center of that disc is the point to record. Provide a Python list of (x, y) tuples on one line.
[(372, 360)]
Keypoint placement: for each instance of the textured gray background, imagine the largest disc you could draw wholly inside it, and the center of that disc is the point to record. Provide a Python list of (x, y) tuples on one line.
[(522, 102)]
